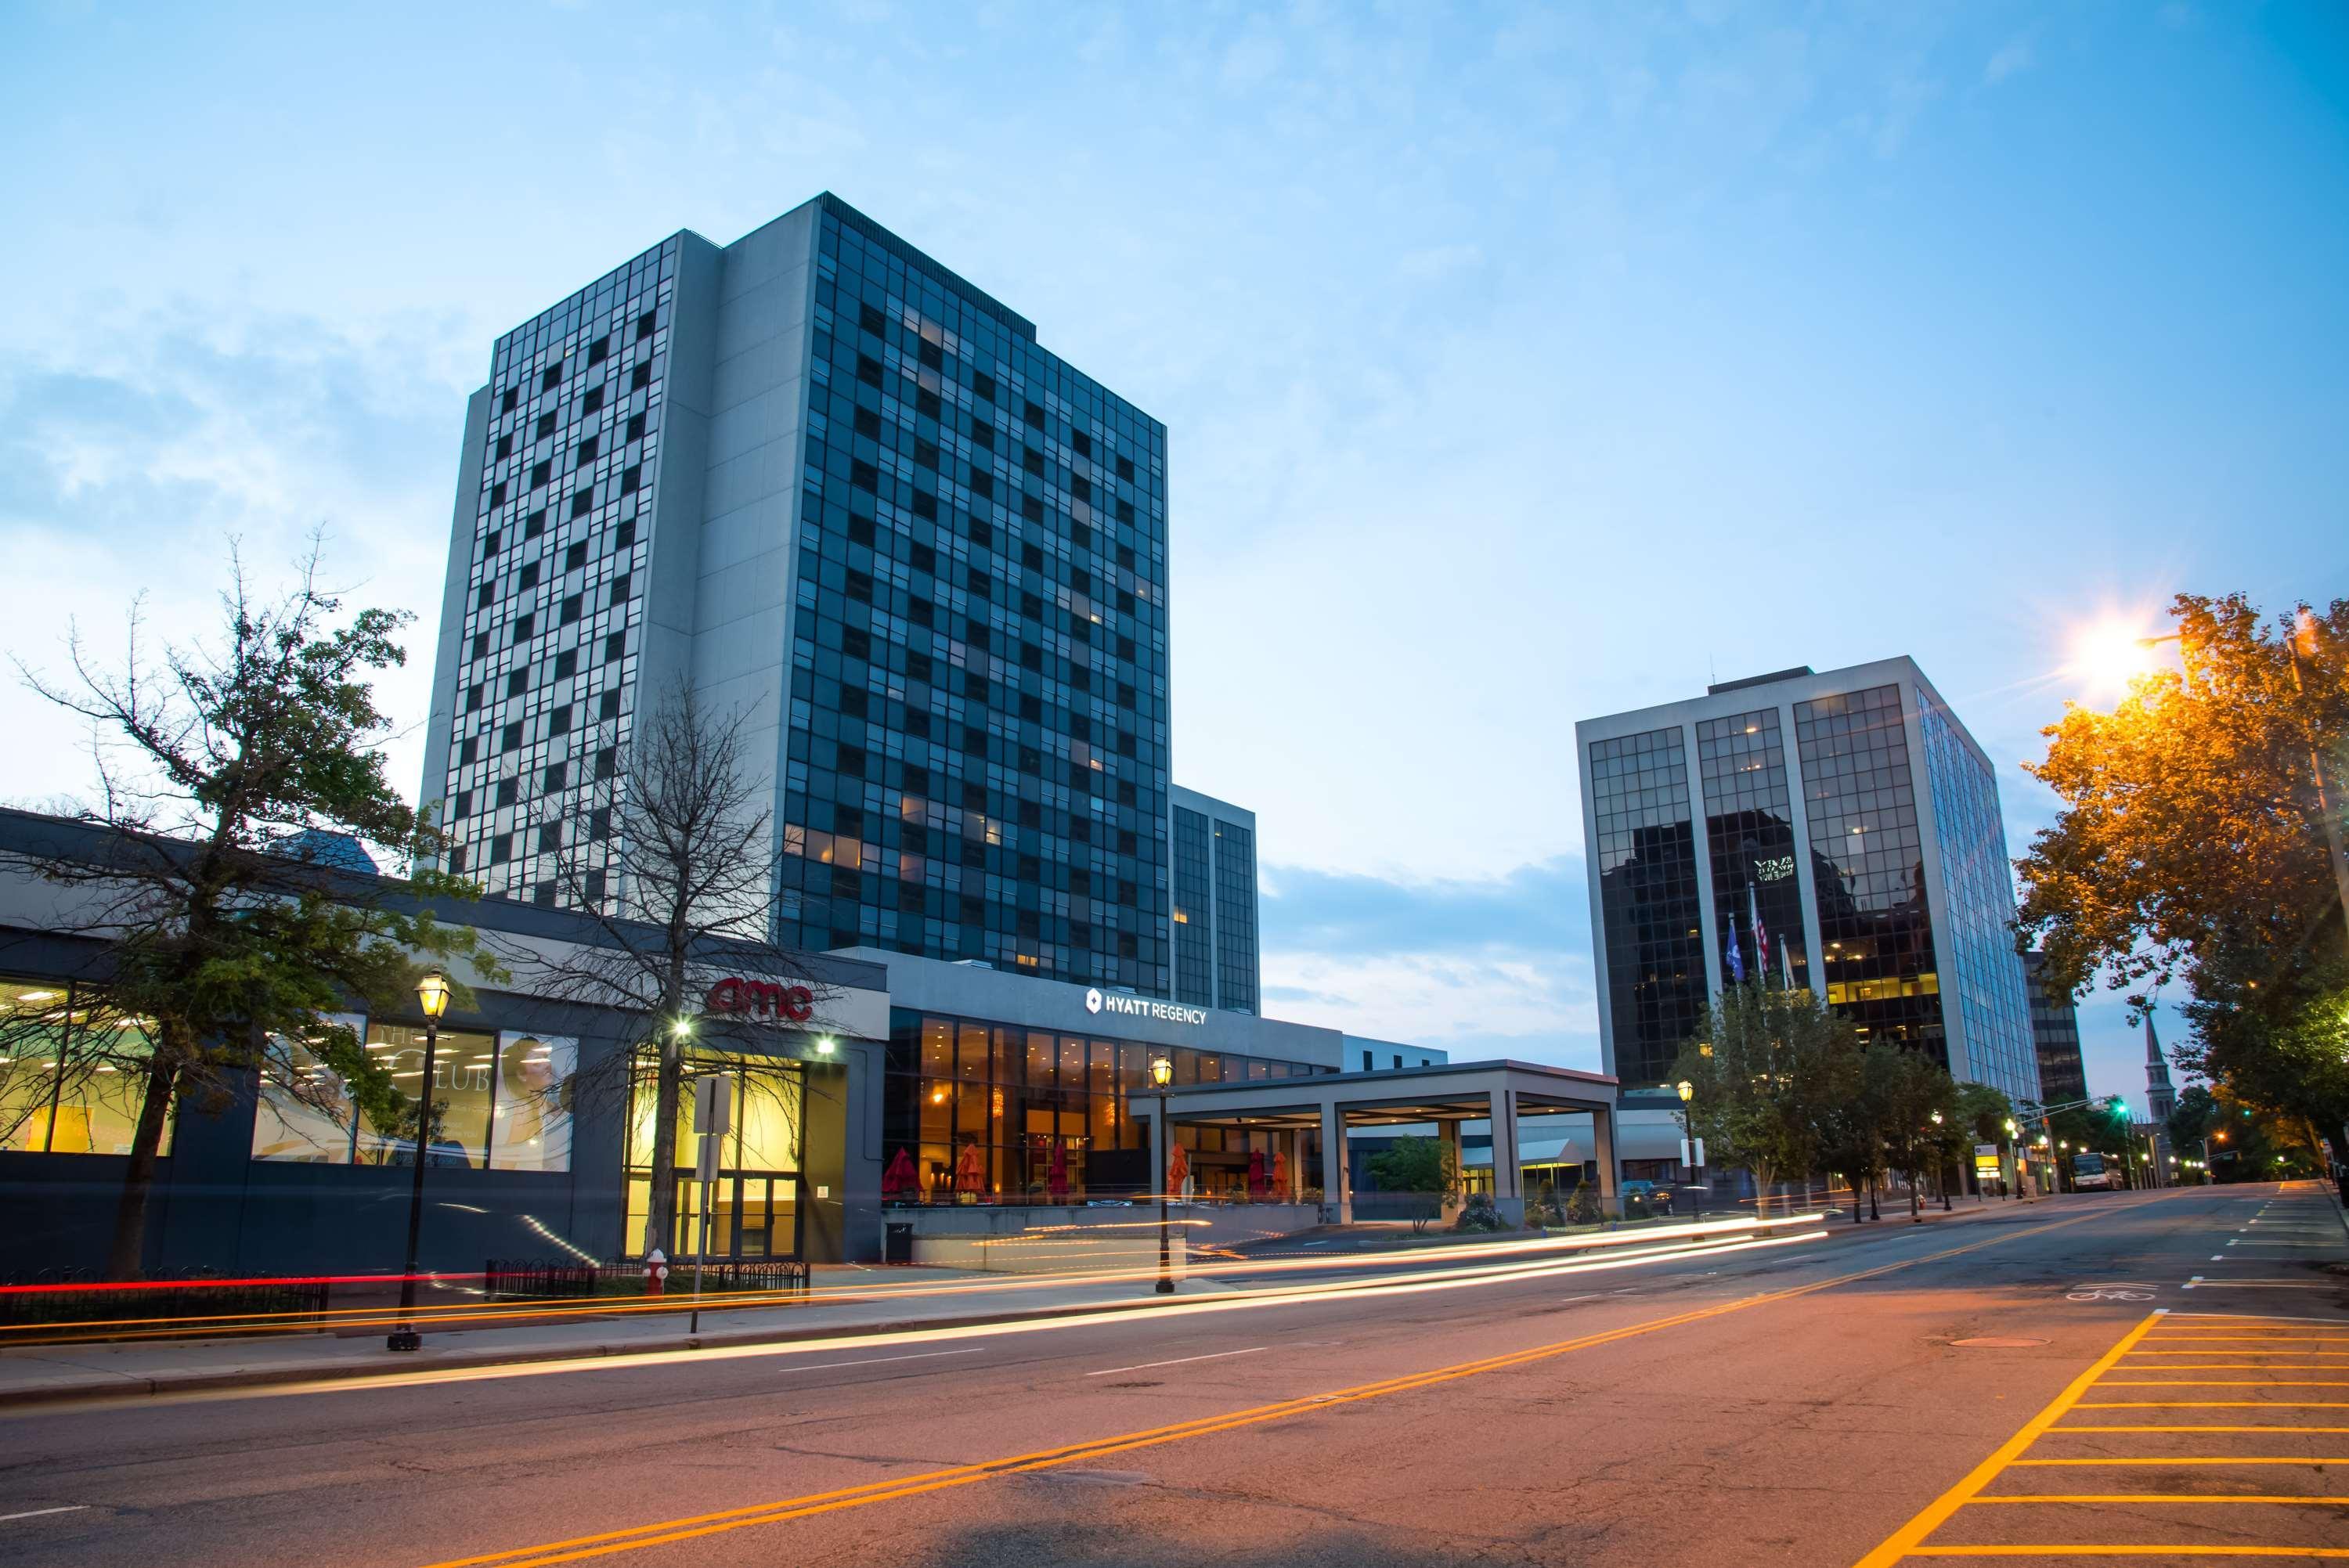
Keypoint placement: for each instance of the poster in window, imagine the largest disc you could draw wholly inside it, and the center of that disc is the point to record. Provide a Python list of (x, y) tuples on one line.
[(534, 1090)]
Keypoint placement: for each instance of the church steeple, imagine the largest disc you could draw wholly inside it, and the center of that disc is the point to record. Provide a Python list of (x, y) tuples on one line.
[(2160, 1099)]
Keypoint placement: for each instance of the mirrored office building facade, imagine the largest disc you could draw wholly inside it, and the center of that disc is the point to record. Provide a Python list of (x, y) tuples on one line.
[(1836, 830)]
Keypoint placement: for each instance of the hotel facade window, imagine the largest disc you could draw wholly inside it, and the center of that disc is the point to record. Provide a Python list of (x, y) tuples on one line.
[(1647, 877), (1194, 894), (981, 1112), (1236, 950)]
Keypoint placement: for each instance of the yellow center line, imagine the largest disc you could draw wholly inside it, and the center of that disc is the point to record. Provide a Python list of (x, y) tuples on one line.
[(2228, 1383), (665, 1532), (1907, 1540)]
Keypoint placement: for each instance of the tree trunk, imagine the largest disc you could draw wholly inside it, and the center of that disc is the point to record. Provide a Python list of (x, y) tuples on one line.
[(1874, 1211), (1915, 1177), (660, 1199), (128, 1259), (1856, 1215)]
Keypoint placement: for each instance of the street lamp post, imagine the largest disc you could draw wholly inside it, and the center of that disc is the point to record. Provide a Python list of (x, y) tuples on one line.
[(1687, 1091), (1940, 1165), (432, 995), (2015, 1157), (1162, 1073)]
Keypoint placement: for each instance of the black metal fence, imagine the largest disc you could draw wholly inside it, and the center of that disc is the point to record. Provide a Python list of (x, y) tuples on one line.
[(542, 1279), (76, 1295)]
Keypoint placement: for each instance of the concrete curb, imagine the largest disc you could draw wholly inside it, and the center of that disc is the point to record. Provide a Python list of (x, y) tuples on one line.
[(125, 1386)]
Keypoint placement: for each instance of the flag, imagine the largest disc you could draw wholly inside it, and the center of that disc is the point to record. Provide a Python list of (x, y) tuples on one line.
[(1785, 967), (1735, 960), (1761, 937)]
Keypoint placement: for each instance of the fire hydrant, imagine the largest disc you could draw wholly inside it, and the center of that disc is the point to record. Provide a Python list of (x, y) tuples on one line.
[(655, 1270)]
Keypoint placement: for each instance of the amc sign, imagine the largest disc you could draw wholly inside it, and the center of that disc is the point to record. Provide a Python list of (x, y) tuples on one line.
[(736, 998)]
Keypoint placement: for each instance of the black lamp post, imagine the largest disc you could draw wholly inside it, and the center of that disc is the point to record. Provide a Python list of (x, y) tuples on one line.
[(1162, 1073), (1940, 1163), (432, 995)]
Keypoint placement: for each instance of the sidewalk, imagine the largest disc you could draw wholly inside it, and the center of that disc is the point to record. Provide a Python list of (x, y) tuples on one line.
[(43, 1374)]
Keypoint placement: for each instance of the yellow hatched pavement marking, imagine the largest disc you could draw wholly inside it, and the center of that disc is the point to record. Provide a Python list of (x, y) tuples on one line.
[(2074, 1549), (2157, 1496), (1907, 1540), (2057, 1431)]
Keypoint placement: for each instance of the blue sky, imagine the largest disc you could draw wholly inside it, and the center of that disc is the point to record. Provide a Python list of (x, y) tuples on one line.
[(1520, 364)]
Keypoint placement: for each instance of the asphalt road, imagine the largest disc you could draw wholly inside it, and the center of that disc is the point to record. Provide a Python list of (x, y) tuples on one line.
[(1799, 1403)]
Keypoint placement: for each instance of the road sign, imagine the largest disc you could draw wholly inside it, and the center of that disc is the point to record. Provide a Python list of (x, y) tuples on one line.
[(1986, 1162), (713, 1102), (1693, 1153)]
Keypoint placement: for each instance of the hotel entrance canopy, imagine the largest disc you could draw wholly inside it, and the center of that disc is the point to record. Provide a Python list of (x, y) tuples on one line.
[(1501, 1092)]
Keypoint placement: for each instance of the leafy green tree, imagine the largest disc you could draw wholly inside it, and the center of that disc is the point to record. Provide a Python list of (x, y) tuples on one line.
[(1908, 1088), (1423, 1168), (219, 766), (2199, 838), (1768, 1067), (1852, 1142)]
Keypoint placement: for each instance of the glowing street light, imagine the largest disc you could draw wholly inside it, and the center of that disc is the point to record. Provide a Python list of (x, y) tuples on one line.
[(432, 999), (1162, 1073)]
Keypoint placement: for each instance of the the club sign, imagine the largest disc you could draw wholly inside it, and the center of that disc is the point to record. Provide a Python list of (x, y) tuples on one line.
[(737, 997)]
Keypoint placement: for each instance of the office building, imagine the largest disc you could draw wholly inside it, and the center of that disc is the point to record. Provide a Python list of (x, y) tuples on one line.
[(1214, 925), (2055, 1032), (841, 492), (1839, 830)]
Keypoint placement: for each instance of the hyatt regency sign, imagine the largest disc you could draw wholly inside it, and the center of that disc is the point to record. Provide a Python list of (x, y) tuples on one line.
[(1143, 1007)]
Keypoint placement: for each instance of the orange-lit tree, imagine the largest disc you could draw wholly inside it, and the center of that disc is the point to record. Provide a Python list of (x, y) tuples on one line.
[(2199, 840)]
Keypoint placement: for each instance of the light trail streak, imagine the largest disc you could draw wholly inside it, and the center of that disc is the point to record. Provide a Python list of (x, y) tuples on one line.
[(483, 1314)]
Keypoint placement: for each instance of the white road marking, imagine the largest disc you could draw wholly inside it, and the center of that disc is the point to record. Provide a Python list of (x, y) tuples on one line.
[(876, 1360), (37, 1512), (1179, 1360)]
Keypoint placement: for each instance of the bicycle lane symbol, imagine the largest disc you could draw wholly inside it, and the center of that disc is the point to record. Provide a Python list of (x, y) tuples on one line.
[(2113, 1290)]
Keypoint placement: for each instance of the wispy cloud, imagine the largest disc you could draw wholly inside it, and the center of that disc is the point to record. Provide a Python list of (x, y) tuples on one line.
[(2013, 57)]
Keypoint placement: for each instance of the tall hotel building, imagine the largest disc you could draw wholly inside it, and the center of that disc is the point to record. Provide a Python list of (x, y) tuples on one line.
[(1851, 818), (838, 491), (1216, 956)]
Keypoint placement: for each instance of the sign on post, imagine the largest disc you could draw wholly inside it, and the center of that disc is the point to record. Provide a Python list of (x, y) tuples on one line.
[(713, 1114)]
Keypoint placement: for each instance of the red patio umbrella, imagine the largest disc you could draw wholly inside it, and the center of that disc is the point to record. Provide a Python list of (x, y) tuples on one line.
[(1178, 1172), (1056, 1174), (900, 1181), (970, 1170), (1280, 1174), (1256, 1174)]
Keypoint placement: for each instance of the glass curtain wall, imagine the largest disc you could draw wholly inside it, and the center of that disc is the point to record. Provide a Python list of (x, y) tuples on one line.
[(1876, 934), (975, 1112), (1648, 899), (1194, 979), (1978, 885), (1235, 965), (1750, 834)]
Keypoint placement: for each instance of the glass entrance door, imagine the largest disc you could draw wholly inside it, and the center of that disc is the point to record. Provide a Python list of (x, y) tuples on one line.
[(753, 1214)]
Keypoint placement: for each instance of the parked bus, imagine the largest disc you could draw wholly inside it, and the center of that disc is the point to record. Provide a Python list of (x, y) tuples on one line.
[(2090, 1172)]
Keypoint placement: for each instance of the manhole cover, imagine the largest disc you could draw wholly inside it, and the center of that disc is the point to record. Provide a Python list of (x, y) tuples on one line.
[(1997, 1342)]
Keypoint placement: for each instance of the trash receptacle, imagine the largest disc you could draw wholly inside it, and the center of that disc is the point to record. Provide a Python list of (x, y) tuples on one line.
[(897, 1244)]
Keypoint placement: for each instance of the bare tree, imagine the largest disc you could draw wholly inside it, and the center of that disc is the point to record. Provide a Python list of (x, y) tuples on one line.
[(673, 857), (227, 777)]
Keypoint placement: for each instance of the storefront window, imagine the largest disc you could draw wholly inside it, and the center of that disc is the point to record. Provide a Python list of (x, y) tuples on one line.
[(305, 1115), (754, 1211), (463, 1090), (72, 1078)]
